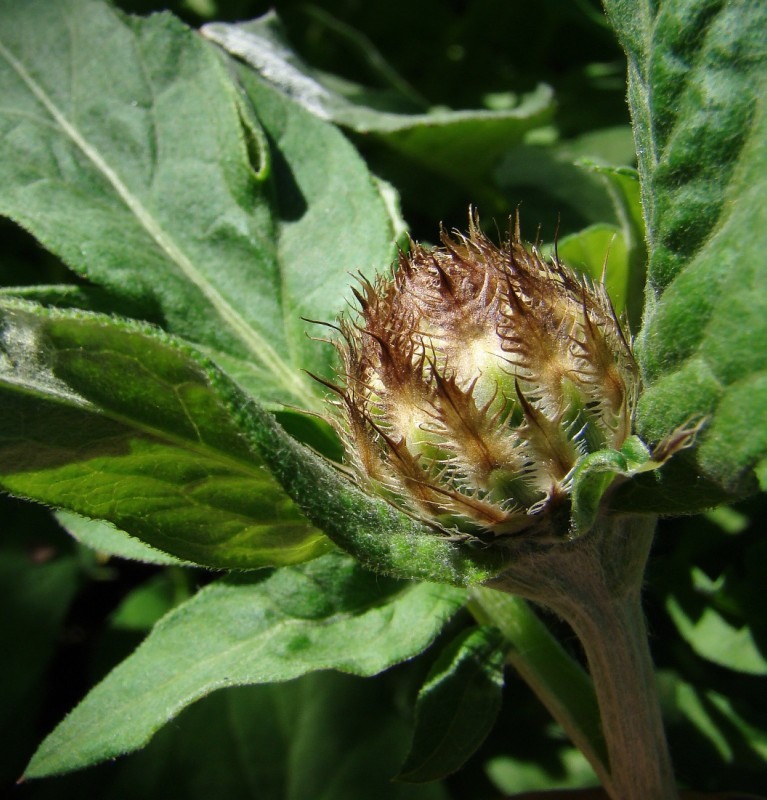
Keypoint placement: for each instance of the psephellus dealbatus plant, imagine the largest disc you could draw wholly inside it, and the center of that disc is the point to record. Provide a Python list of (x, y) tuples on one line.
[(477, 384)]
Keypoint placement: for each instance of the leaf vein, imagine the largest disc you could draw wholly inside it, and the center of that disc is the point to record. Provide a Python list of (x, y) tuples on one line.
[(256, 344)]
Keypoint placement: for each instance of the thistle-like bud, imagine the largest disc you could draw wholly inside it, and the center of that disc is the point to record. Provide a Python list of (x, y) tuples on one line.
[(476, 378)]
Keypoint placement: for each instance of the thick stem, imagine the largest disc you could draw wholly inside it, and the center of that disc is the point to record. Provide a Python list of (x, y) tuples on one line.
[(594, 584), (615, 640)]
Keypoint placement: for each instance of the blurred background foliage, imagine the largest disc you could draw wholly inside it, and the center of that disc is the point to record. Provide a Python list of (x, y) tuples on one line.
[(70, 615)]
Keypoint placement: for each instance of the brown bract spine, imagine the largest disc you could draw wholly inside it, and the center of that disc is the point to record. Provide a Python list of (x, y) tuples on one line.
[(475, 377)]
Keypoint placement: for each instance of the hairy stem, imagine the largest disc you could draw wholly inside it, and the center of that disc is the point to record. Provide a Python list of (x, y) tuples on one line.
[(594, 584)]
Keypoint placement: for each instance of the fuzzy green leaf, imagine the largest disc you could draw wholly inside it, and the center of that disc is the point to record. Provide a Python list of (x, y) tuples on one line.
[(105, 539), (696, 83), (591, 479), (457, 705), (279, 741), (127, 150), (327, 614), (115, 421)]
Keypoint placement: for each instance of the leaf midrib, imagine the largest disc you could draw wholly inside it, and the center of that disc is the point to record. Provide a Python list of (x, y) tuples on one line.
[(289, 379)]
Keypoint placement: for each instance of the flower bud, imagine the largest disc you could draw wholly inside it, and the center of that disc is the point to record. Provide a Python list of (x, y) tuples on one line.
[(476, 377)]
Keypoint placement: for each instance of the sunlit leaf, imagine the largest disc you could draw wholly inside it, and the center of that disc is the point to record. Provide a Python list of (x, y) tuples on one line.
[(115, 421), (127, 150), (696, 79)]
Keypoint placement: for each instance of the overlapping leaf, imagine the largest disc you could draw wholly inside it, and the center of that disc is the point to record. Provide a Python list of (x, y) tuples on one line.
[(111, 421), (108, 540), (440, 139)]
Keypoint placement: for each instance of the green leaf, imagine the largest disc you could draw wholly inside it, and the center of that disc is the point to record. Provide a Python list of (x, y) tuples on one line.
[(615, 252), (715, 727), (553, 177), (457, 705), (327, 614), (352, 41), (88, 298), (127, 150), (38, 581), (714, 638), (597, 472), (718, 607), (696, 73), (35, 597), (596, 249), (148, 603), (624, 190), (108, 540), (591, 479), (569, 771), (331, 737), (116, 421), (439, 139), (325, 736)]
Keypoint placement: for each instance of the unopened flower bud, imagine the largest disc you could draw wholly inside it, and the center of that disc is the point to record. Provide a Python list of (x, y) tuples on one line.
[(475, 379)]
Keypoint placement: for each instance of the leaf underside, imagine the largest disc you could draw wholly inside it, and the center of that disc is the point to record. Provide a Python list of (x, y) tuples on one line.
[(457, 705)]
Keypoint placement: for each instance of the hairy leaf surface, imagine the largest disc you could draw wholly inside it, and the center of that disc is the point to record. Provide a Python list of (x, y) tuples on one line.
[(327, 614), (117, 421), (127, 150), (438, 138), (697, 87), (107, 540)]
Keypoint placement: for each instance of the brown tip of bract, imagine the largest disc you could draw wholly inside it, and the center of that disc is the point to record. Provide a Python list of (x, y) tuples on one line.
[(476, 376)]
